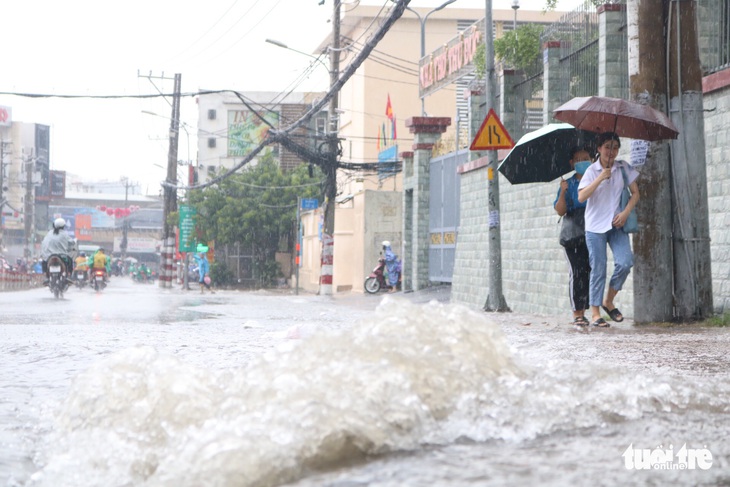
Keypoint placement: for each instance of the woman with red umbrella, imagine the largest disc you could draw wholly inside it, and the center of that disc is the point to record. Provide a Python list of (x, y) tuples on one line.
[(601, 187)]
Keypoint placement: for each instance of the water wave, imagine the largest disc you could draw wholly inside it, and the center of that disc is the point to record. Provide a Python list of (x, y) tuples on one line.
[(408, 376)]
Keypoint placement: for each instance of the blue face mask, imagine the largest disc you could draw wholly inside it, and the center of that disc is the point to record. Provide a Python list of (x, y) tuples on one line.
[(582, 166)]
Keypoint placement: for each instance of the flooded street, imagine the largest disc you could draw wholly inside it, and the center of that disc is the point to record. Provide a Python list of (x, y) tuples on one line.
[(140, 386)]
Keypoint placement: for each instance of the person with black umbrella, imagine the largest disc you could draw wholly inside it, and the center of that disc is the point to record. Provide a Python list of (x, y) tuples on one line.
[(572, 236)]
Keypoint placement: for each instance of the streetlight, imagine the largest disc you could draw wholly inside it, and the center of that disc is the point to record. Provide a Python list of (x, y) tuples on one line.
[(515, 7), (423, 37), (284, 46), (182, 124)]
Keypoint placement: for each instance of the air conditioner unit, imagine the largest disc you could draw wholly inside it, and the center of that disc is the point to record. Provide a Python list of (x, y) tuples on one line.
[(211, 169)]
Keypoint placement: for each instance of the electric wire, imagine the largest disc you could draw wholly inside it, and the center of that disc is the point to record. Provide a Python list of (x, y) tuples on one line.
[(207, 31), (228, 30)]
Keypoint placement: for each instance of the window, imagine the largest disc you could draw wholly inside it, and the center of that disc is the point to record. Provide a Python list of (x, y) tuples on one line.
[(321, 126), (211, 114), (211, 142)]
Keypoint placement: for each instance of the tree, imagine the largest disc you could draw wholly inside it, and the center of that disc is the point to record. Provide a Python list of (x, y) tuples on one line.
[(256, 208), (520, 48)]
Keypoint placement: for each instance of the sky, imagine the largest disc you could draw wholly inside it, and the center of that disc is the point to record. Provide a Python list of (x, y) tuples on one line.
[(88, 47)]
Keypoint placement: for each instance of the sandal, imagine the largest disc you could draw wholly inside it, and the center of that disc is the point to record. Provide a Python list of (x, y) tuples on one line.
[(581, 320), (580, 323), (615, 314), (600, 323)]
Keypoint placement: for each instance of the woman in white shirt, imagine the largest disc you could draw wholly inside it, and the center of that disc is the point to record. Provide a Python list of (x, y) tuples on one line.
[(601, 187)]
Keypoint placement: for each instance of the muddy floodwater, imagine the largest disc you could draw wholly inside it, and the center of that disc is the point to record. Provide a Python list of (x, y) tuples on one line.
[(139, 386)]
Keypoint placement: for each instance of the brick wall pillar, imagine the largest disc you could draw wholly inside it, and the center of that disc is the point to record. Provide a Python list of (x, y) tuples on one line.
[(555, 80), (407, 231), (510, 111), (611, 48), (416, 198)]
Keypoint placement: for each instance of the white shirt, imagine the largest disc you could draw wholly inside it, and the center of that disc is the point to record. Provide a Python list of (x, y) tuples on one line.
[(603, 204)]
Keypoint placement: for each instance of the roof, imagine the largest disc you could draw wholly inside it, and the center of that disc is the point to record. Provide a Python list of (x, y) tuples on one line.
[(137, 198)]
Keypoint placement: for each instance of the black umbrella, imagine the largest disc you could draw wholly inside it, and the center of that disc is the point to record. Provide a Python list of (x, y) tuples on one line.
[(542, 155)]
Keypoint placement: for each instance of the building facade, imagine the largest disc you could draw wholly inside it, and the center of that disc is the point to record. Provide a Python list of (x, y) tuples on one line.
[(389, 77), (25, 184), (228, 128)]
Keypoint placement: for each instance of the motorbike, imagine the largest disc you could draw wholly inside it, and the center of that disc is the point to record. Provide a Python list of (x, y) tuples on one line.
[(81, 278), (58, 276), (378, 279), (97, 279), (143, 275)]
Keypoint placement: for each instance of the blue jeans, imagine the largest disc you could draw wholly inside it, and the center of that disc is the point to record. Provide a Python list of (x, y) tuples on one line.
[(618, 240)]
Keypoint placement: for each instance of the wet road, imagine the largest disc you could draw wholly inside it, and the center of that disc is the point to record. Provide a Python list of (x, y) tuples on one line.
[(142, 386)]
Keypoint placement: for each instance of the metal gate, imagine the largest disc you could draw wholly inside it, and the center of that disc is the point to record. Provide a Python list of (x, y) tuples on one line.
[(444, 214)]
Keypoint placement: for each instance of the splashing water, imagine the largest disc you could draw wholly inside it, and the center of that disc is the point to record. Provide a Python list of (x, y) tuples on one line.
[(407, 377)]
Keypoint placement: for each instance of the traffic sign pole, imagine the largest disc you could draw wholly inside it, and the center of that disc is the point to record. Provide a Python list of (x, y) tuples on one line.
[(296, 261), (495, 299)]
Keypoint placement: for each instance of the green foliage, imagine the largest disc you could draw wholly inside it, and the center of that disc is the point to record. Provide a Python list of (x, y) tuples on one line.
[(255, 208), (268, 272), (719, 320), (221, 275), (553, 4), (480, 64), (520, 48)]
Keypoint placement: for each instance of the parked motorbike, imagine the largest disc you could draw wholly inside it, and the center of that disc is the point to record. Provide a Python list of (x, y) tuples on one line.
[(81, 278), (58, 276), (378, 279), (97, 279)]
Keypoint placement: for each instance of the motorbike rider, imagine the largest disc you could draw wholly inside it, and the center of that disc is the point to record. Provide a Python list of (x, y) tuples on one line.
[(100, 261), (393, 265), (82, 263), (58, 242)]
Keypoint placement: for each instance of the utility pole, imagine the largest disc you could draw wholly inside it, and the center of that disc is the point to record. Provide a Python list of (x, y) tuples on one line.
[(125, 223), (495, 299), (653, 243), (170, 191), (167, 253), (674, 236), (330, 168), (692, 259)]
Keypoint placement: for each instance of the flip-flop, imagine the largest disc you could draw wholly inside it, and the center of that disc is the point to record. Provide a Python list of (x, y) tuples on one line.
[(600, 323), (615, 314)]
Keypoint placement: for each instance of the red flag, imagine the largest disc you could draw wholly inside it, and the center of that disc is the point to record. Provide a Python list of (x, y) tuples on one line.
[(395, 135), (389, 109)]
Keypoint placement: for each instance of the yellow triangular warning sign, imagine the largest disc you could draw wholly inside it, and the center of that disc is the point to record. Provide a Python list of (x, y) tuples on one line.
[(492, 135)]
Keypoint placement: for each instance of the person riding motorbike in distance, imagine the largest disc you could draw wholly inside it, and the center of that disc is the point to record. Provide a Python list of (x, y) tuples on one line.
[(58, 242), (100, 261), (82, 263)]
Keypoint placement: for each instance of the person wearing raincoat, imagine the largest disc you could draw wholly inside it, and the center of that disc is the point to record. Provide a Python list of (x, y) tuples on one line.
[(203, 271), (393, 265), (60, 243)]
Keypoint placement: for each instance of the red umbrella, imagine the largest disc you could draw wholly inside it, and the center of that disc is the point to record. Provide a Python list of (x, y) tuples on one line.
[(625, 118)]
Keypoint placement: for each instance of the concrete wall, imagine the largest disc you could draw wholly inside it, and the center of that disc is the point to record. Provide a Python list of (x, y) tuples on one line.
[(361, 224), (717, 139), (470, 284)]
